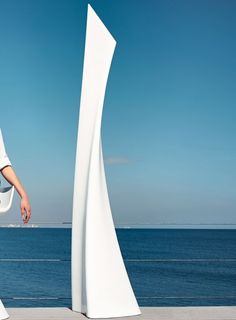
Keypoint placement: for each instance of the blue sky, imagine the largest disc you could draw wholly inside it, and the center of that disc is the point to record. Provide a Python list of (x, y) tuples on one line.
[(169, 116)]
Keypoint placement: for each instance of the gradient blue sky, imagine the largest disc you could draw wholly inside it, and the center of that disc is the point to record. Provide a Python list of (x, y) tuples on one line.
[(168, 125)]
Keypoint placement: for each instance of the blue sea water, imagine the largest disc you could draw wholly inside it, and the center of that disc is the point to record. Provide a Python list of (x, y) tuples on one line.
[(167, 267)]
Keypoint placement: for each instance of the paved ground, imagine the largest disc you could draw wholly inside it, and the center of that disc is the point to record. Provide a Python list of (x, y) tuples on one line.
[(148, 313)]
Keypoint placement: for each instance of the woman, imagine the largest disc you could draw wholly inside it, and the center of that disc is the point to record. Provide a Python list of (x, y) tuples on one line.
[(9, 174)]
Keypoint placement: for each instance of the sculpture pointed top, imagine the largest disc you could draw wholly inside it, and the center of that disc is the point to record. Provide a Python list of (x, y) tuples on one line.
[(91, 13)]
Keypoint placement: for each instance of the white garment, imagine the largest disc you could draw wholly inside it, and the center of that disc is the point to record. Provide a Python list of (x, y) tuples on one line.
[(4, 161)]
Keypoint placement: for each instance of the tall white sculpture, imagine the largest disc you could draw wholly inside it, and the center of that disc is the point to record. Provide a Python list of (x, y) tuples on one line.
[(100, 283)]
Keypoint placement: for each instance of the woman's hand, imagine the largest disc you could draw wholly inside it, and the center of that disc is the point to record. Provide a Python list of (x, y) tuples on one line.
[(25, 209), (10, 175)]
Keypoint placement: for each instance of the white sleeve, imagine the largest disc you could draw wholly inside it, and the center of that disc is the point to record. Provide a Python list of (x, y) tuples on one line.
[(4, 160)]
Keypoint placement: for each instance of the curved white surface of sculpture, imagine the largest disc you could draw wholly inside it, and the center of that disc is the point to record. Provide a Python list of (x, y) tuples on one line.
[(100, 283), (3, 312)]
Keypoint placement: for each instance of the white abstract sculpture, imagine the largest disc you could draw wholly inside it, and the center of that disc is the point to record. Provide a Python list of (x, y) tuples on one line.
[(100, 283), (3, 312)]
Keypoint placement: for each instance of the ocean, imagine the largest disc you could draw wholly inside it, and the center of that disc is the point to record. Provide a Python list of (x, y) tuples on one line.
[(166, 267)]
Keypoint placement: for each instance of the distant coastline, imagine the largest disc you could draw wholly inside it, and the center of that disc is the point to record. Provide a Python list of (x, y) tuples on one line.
[(126, 226)]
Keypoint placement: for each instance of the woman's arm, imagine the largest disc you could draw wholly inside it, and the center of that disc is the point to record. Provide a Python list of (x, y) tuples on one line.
[(11, 177)]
